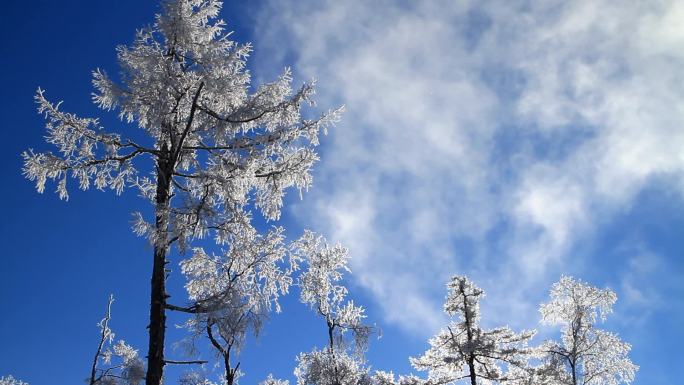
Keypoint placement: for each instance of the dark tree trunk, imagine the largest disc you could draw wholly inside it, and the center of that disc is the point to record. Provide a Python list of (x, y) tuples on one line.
[(471, 367), (574, 373), (469, 332), (225, 352), (103, 337), (331, 347), (155, 355), (230, 374), (576, 328)]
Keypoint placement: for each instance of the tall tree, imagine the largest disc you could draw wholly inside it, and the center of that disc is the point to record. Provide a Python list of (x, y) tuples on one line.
[(221, 147), (465, 350), (586, 355)]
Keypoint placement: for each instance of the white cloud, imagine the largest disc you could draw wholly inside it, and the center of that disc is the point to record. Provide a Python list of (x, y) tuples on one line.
[(485, 140)]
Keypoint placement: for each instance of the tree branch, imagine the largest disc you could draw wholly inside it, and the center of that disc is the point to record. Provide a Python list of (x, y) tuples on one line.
[(193, 108), (191, 310), (105, 333), (174, 362)]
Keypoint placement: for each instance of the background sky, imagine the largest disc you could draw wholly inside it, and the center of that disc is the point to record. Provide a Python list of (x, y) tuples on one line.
[(509, 141)]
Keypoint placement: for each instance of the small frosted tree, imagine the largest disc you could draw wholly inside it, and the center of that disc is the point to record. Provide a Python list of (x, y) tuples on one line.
[(221, 148), (465, 350), (9, 380), (233, 292), (322, 290), (586, 355), (387, 378), (114, 363)]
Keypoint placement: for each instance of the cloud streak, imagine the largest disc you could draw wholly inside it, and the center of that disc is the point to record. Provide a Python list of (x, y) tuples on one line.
[(482, 139)]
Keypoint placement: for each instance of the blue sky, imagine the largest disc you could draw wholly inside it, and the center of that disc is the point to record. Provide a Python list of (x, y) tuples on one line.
[(512, 142)]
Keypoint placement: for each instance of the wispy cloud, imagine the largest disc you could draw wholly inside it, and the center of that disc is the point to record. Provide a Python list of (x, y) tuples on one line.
[(485, 139)]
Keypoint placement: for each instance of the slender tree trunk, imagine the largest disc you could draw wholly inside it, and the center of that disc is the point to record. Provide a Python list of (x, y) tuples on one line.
[(330, 339), (576, 327), (469, 333), (230, 374), (331, 347), (103, 337), (574, 373), (155, 355), (225, 352), (471, 367)]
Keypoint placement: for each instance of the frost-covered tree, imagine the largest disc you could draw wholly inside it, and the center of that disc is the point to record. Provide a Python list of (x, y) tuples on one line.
[(273, 381), (9, 380), (387, 378), (586, 355), (221, 147), (320, 367), (234, 291), (114, 363), (465, 350), (321, 289)]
